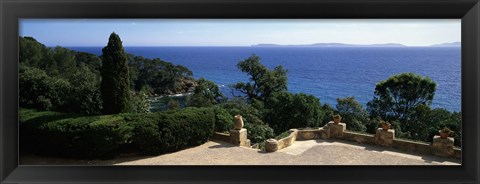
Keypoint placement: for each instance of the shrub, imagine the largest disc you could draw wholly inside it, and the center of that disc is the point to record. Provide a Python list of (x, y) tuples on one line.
[(72, 135), (258, 132), (139, 102), (223, 120), (249, 113), (80, 136), (169, 131), (173, 104), (40, 91), (329, 112)]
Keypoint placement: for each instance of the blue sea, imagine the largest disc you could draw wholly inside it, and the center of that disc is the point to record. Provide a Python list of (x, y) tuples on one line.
[(325, 72)]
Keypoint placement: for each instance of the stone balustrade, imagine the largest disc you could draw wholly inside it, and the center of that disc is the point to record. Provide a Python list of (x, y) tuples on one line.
[(235, 137), (272, 145), (385, 138)]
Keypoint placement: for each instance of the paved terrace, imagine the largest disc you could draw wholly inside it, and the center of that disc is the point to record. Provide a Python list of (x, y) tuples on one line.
[(308, 152)]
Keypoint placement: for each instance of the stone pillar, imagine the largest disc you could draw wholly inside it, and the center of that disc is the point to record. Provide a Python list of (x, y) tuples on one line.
[(271, 145), (333, 130), (384, 137), (443, 147), (239, 137)]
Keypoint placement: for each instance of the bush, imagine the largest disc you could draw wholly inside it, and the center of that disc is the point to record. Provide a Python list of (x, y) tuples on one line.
[(173, 104), (40, 91), (223, 120), (80, 136), (258, 132), (249, 113), (329, 112), (139, 102), (72, 135), (156, 133)]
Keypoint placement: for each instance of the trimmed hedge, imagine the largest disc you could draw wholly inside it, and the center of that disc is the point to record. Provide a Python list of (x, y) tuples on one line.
[(72, 135), (157, 133), (80, 136)]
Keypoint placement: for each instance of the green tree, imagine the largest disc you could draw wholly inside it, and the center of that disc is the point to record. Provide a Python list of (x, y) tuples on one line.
[(397, 97), (285, 110), (90, 60), (258, 131), (263, 82), (34, 54), (205, 94), (65, 61), (329, 111), (160, 76), (173, 104), (223, 119), (353, 114), (425, 123), (115, 87), (85, 96), (40, 91)]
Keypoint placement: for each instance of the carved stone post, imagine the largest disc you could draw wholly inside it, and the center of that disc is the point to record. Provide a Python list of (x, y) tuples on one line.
[(239, 137), (384, 137), (333, 130), (443, 146)]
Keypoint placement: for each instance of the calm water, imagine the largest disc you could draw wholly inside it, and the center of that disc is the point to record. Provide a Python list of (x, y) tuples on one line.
[(327, 73)]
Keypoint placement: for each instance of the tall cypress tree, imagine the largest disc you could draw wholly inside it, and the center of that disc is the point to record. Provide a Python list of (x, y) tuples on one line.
[(115, 85)]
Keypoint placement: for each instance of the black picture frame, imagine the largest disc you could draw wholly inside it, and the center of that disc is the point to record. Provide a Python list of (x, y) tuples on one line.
[(466, 10)]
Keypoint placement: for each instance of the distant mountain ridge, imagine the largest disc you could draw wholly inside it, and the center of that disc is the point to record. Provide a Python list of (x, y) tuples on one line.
[(452, 44), (331, 45)]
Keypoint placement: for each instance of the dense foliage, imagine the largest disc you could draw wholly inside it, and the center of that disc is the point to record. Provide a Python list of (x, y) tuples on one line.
[(284, 111), (69, 81), (353, 114), (158, 76), (258, 131), (59, 79), (169, 131), (72, 135), (397, 97), (205, 94), (80, 136)]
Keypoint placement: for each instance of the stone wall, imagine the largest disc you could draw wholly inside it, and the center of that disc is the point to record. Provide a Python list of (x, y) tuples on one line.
[(272, 145), (359, 138), (411, 146), (236, 137), (386, 138), (221, 136)]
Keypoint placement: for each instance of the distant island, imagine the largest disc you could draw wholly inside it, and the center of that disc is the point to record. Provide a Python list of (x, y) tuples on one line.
[(333, 45), (453, 44)]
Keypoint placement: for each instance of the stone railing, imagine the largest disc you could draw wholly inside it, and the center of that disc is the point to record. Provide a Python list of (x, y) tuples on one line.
[(235, 137), (273, 145), (385, 138)]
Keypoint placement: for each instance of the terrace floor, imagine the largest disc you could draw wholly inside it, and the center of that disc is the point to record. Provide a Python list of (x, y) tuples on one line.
[(309, 152)]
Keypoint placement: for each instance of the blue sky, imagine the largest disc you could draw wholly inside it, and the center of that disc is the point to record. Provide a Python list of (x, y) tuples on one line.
[(240, 32)]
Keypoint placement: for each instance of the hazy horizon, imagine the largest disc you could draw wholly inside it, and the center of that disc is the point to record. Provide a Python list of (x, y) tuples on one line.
[(240, 32)]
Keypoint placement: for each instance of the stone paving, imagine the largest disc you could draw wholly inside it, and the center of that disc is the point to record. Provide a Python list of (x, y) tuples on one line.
[(310, 152)]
